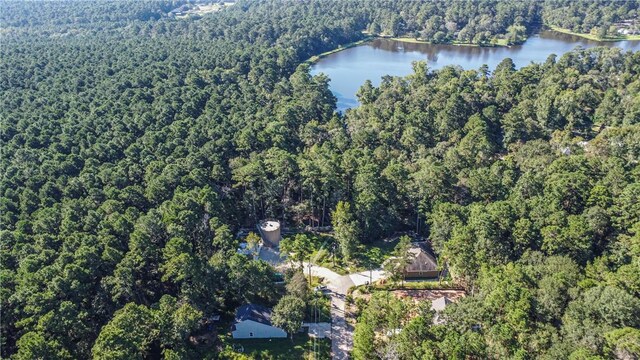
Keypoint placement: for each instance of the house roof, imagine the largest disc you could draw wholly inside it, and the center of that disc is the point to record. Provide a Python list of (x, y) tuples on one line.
[(440, 303), (422, 259), (254, 312)]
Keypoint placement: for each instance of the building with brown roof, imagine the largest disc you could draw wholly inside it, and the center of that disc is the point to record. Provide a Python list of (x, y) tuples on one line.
[(423, 265)]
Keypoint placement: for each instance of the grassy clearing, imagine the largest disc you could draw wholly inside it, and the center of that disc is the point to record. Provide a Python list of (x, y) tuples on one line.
[(300, 347), (338, 266), (496, 42), (410, 40), (376, 253), (369, 256), (594, 37), (501, 42), (315, 58)]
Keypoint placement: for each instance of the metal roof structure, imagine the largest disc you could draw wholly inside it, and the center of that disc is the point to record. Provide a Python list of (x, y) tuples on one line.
[(440, 303)]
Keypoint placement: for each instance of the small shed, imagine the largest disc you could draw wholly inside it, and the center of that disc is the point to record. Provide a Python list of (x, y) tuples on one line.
[(438, 305), (254, 322), (423, 264)]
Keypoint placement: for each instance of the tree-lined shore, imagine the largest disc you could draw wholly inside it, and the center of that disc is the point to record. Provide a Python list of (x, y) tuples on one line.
[(134, 146)]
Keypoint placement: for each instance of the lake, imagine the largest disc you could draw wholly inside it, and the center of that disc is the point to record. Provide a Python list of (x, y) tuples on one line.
[(348, 69)]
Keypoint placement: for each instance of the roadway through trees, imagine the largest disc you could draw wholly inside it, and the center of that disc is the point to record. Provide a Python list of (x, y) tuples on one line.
[(339, 285)]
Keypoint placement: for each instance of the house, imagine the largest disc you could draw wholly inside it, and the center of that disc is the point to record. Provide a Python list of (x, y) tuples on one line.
[(423, 264), (182, 10), (254, 322)]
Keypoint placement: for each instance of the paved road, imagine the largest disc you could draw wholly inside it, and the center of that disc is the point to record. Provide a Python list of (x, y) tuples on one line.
[(341, 330), (363, 277), (319, 330)]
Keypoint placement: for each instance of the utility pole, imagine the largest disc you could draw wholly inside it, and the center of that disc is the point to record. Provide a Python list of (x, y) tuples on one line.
[(315, 318), (333, 249)]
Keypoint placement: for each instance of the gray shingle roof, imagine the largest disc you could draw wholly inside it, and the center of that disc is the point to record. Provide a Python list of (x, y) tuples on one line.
[(422, 259), (254, 312)]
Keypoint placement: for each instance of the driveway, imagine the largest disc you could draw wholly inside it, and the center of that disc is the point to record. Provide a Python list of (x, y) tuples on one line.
[(341, 330), (319, 330), (364, 277), (319, 271)]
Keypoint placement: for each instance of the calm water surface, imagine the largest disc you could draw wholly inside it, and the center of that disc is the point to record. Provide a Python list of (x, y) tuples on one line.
[(349, 69)]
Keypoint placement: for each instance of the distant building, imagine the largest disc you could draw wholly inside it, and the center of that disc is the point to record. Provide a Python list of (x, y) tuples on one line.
[(423, 264), (182, 10), (254, 322)]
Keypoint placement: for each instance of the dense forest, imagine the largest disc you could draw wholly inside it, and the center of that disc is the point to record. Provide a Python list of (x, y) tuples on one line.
[(529, 181), (135, 145), (488, 22), (583, 16), (483, 22)]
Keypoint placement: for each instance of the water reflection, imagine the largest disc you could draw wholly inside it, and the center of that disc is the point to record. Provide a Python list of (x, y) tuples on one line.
[(348, 69), (431, 51)]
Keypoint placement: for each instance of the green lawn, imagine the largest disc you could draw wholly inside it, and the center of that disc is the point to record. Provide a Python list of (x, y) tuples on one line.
[(369, 256), (410, 40), (338, 266), (315, 58), (501, 42), (593, 37), (497, 42), (301, 347), (372, 256)]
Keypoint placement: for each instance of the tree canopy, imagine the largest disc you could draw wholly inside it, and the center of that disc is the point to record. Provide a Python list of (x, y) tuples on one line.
[(135, 145)]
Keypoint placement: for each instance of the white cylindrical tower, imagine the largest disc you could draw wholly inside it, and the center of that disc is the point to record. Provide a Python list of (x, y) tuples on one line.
[(270, 233)]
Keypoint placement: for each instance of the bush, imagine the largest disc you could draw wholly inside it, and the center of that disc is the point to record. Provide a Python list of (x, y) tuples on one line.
[(321, 255)]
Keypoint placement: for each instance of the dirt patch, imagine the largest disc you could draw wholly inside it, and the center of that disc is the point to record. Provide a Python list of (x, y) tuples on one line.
[(419, 295), (428, 295)]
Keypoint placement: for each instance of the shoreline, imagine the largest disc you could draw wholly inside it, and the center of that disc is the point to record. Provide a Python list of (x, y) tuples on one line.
[(593, 37), (315, 58), (500, 43)]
